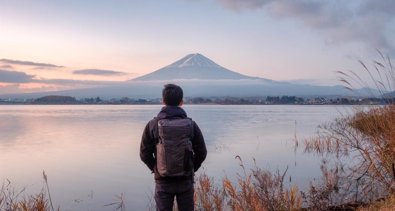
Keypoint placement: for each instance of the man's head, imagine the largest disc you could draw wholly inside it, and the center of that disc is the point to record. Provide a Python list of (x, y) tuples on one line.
[(172, 95)]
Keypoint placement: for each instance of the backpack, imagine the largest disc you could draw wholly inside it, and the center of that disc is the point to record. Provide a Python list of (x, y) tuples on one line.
[(174, 154)]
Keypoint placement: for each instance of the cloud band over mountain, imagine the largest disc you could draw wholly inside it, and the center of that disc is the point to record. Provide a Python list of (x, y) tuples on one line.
[(98, 72), (18, 77)]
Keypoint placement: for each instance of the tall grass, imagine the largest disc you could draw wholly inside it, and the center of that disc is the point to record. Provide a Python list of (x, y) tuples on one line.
[(378, 78), (363, 150), (382, 205), (12, 200), (119, 203), (358, 168), (257, 190), (361, 147)]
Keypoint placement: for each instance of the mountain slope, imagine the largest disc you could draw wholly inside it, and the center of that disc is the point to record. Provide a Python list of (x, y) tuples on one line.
[(199, 77), (193, 66)]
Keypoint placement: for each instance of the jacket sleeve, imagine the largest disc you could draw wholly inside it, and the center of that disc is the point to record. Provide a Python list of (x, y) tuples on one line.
[(199, 147), (147, 148)]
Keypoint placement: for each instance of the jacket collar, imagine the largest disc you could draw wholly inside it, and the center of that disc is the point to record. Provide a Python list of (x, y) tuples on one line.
[(172, 112)]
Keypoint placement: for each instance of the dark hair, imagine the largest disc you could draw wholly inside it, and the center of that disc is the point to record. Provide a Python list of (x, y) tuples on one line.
[(172, 95)]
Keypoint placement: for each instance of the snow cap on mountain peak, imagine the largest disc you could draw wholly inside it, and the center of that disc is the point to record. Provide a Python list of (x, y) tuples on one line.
[(195, 59)]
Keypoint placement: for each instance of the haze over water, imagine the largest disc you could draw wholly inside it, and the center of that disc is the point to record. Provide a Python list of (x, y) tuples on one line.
[(91, 153)]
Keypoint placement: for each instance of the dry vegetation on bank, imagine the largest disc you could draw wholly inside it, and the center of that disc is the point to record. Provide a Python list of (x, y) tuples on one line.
[(13, 200), (358, 169)]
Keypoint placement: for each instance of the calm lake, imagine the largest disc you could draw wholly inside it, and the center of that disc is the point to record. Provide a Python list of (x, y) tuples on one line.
[(91, 153)]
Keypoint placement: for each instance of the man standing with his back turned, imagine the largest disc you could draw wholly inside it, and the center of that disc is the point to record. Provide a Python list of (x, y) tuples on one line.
[(173, 148)]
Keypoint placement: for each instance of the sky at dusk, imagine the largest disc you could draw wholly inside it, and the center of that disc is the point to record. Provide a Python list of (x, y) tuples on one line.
[(53, 44)]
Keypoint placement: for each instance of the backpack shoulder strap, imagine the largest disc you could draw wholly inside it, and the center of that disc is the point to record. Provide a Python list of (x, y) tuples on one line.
[(155, 131), (192, 129)]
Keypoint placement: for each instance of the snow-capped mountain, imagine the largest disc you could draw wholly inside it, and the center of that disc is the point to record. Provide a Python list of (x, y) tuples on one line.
[(199, 77), (192, 66)]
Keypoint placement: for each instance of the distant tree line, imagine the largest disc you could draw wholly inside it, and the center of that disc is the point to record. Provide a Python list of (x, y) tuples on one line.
[(269, 100), (54, 99), (289, 100)]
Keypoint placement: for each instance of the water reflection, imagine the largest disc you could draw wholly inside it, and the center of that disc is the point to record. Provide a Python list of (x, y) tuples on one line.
[(91, 153)]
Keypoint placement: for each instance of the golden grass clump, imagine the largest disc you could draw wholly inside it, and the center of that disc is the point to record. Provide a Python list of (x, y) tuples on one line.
[(36, 203), (379, 127), (209, 197), (387, 204), (11, 200), (244, 196), (258, 190)]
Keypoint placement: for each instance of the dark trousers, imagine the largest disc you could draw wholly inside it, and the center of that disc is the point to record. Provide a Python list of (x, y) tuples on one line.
[(181, 190)]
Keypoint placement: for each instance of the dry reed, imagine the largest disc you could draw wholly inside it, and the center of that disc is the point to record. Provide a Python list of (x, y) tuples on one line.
[(361, 147), (258, 190), (12, 200), (119, 203), (381, 205)]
